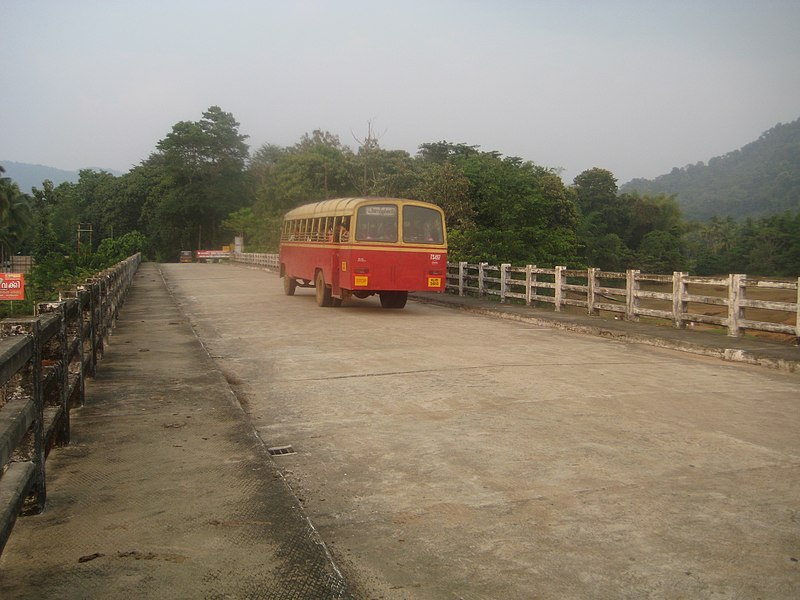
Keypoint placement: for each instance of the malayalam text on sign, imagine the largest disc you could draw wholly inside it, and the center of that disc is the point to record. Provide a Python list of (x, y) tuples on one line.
[(12, 286)]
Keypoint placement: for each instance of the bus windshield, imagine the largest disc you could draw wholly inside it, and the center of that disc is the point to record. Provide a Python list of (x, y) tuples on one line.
[(422, 225), (377, 223)]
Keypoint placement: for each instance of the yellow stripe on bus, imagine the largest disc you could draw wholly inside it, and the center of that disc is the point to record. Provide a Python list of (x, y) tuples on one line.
[(438, 248)]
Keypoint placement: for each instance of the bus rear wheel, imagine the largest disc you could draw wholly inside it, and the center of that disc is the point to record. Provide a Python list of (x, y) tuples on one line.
[(393, 299), (323, 291), (289, 285)]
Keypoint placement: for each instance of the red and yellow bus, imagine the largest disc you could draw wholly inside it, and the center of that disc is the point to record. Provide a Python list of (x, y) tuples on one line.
[(357, 247)]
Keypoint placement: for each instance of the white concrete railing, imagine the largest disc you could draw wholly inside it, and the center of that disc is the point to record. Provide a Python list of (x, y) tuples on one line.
[(251, 258), (624, 293), (631, 294)]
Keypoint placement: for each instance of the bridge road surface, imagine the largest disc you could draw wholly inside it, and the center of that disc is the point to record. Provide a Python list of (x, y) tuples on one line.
[(444, 455), (164, 491)]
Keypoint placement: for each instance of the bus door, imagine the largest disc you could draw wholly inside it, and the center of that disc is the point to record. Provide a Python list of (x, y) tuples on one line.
[(340, 236), (336, 288)]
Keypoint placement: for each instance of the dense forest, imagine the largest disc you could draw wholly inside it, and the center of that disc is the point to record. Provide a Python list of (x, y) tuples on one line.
[(759, 180), (202, 185)]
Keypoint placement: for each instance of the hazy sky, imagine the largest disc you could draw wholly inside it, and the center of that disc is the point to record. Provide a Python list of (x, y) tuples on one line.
[(636, 87)]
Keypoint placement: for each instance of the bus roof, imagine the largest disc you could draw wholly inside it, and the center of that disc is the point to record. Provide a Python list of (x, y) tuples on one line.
[(342, 206)]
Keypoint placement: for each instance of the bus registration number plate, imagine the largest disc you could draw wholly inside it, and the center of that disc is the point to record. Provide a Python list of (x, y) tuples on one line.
[(434, 282), (361, 280)]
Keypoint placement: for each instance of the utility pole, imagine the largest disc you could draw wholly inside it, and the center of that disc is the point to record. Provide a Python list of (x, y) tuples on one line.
[(84, 228)]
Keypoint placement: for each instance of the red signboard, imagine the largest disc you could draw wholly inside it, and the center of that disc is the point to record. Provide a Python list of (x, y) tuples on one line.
[(12, 286), (211, 255)]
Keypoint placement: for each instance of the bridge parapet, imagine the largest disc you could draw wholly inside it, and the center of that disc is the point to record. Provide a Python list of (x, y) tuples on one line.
[(734, 302), (269, 261), (43, 364)]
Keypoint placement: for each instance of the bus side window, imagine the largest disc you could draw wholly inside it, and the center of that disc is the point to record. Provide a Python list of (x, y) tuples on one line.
[(321, 229), (343, 230), (328, 229)]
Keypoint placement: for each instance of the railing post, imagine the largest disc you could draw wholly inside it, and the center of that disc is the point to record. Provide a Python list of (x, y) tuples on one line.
[(462, 267), (528, 283), (736, 293), (63, 432), (78, 330), (631, 296), (559, 296), (503, 284), (114, 300), (592, 283), (99, 321), (679, 286), (91, 331), (32, 385), (481, 283), (797, 322)]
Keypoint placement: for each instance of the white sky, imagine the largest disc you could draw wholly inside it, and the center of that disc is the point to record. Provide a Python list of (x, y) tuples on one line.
[(633, 86)]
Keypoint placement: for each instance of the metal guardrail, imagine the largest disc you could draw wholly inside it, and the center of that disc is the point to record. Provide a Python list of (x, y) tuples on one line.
[(721, 301), (43, 363)]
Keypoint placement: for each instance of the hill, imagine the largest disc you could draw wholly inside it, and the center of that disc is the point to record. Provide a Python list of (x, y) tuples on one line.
[(758, 180), (27, 175)]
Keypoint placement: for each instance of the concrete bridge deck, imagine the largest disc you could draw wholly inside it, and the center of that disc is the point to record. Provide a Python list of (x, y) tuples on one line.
[(761, 351), (166, 491)]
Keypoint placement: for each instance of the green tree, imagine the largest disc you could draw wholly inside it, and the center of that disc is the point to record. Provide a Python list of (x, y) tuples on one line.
[(712, 246), (514, 211), (660, 252), (43, 239), (379, 172), (595, 190), (444, 184), (113, 250), (202, 180), (261, 232), (387, 173), (15, 216), (629, 230), (314, 169)]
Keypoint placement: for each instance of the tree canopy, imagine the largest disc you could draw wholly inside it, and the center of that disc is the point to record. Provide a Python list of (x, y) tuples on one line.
[(15, 216), (201, 186)]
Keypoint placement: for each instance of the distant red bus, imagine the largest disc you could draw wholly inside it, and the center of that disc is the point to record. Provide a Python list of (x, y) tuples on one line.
[(357, 247)]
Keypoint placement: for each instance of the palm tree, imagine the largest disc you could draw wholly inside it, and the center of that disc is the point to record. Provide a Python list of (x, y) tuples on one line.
[(15, 216), (6, 187)]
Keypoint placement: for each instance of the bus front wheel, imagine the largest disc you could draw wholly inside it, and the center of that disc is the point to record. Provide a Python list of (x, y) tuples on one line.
[(393, 299), (323, 291)]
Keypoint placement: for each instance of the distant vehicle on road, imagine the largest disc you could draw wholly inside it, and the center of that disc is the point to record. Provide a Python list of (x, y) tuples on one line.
[(186, 256), (358, 247)]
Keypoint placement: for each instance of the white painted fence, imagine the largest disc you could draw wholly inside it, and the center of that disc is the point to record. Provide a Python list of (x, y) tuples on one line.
[(623, 293), (726, 298), (251, 258)]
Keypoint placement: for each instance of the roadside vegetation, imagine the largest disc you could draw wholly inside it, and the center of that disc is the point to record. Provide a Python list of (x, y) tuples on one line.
[(202, 185)]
